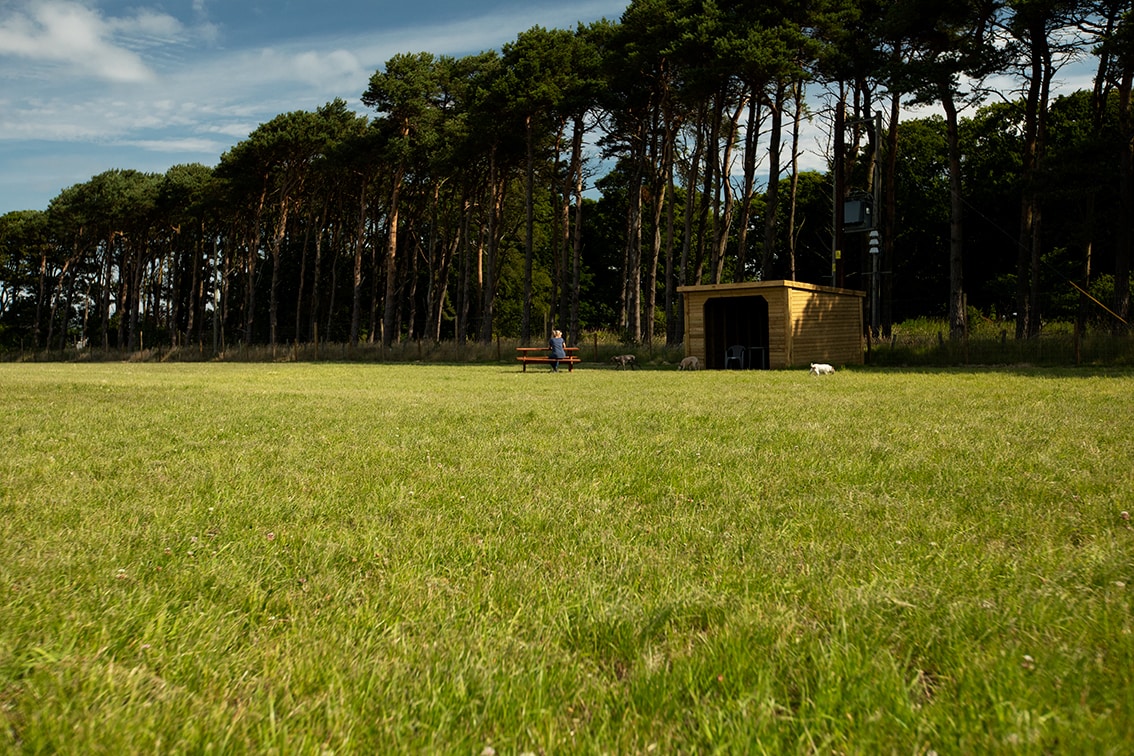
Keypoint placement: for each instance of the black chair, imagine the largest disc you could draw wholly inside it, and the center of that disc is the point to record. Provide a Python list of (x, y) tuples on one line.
[(734, 353)]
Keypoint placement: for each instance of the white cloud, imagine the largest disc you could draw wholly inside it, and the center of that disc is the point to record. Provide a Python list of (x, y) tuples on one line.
[(235, 131), (141, 87), (147, 23), (318, 68), (75, 36), (255, 83), (185, 145)]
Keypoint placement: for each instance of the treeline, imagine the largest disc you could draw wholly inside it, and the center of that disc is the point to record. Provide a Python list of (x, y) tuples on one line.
[(459, 206)]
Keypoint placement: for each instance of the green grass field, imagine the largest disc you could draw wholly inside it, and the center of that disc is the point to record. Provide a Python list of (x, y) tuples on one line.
[(297, 558)]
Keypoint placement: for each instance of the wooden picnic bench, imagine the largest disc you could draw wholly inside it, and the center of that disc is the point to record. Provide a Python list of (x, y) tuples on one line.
[(538, 355)]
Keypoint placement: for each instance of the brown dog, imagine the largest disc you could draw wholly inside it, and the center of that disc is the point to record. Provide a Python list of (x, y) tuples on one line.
[(690, 363)]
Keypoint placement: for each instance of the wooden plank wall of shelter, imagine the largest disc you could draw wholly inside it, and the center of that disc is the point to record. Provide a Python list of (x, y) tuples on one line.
[(779, 326), (806, 322), (694, 303), (826, 326)]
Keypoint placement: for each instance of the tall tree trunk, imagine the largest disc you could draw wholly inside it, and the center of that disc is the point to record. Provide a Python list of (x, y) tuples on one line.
[(126, 299), (222, 276), (724, 229), (1125, 192), (253, 252), (319, 222), (561, 193), (177, 245), (317, 274), (797, 117), (713, 180), (890, 215), (673, 319), (356, 278), (273, 297), (195, 285), (410, 277), (1029, 246), (439, 270), (751, 141), (663, 167), (577, 240), (56, 295), (464, 294), (1099, 95), (440, 293), (314, 226), (40, 301), (529, 232), (390, 312), (651, 288), (632, 258), (957, 312), (488, 288), (104, 295), (775, 137), (708, 157), (691, 182), (377, 286), (137, 268), (328, 330)]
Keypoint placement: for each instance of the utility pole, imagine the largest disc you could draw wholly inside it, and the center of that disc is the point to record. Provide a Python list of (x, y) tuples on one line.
[(875, 242), (875, 253), (838, 219), (864, 213)]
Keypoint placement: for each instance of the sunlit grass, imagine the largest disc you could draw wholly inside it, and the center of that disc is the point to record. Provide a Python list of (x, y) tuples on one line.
[(377, 558)]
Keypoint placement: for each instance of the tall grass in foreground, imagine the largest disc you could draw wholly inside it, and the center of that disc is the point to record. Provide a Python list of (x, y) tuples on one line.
[(406, 558)]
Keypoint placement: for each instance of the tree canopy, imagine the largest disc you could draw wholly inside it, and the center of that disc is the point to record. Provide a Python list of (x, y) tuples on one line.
[(578, 177)]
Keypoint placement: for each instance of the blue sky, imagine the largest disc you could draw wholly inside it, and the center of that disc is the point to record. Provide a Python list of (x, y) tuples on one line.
[(91, 85)]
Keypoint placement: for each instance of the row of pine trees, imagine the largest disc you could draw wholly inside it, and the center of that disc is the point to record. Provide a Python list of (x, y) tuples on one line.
[(578, 178)]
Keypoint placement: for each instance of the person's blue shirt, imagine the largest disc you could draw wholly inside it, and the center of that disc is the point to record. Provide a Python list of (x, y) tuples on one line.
[(556, 344)]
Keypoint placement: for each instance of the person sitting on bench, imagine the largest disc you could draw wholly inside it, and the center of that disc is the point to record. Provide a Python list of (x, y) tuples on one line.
[(557, 352)]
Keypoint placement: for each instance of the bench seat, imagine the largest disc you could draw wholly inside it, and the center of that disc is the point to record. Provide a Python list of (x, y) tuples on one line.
[(545, 360)]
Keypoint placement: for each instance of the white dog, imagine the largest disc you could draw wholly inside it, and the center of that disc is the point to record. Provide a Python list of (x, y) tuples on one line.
[(690, 363), (821, 368)]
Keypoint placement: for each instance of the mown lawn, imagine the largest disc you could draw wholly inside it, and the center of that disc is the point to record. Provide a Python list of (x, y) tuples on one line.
[(465, 559)]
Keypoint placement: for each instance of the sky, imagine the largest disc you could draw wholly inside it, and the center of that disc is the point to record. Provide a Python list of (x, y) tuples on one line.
[(88, 86)]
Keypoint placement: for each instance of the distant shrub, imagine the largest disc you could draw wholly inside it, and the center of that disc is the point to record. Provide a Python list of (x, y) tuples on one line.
[(925, 341)]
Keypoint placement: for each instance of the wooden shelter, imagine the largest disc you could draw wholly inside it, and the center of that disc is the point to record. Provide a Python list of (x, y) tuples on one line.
[(779, 324)]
